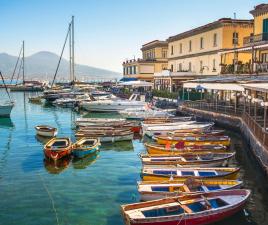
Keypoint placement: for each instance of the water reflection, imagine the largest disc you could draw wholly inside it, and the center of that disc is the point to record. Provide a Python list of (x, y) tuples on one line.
[(83, 163), (56, 167), (6, 123), (43, 140), (118, 146)]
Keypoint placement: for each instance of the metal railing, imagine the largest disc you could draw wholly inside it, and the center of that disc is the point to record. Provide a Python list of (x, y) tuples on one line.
[(255, 38), (229, 109)]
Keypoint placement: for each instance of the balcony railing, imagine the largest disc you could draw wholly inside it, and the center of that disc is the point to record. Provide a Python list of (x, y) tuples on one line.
[(250, 40)]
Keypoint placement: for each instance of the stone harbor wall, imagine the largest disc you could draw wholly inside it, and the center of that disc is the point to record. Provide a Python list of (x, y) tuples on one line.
[(234, 123)]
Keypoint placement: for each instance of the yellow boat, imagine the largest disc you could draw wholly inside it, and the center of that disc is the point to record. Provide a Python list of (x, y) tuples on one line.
[(181, 174), (168, 149), (194, 140), (152, 190)]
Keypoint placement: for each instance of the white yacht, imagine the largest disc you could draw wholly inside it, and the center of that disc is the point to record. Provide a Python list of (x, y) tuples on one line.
[(113, 105)]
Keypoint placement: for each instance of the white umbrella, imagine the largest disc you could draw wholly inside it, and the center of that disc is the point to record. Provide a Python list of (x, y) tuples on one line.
[(137, 83)]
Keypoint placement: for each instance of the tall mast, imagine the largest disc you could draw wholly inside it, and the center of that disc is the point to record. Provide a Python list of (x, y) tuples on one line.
[(73, 48), (70, 52), (23, 75)]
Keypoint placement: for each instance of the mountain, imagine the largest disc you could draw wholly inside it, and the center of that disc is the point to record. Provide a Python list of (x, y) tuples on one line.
[(42, 66)]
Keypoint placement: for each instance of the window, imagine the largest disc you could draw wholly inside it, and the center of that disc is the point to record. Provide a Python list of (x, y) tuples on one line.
[(171, 67), (172, 50), (201, 43), (180, 67), (215, 40), (164, 53), (134, 69), (130, 69), (180, 47), (190, 66), (214, 65), (201, 66), (190, 46), (235, 38)]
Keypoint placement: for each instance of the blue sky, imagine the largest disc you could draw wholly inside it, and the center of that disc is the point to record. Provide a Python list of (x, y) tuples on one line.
[(106, 31)]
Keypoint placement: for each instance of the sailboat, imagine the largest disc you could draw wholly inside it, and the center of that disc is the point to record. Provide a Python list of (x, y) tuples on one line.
[(57, 92), (5, 107), (25, 85)]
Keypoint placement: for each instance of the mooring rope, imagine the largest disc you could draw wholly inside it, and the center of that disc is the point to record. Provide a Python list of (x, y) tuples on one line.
[(51, 198)]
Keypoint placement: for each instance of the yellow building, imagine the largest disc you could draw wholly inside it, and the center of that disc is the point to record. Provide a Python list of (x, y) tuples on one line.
[(198, 50), (196, 53), (154, 59), (255, 46)]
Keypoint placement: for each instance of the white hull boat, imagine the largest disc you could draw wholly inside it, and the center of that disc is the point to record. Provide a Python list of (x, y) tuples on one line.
[(5, 109), (46, 131), (113, 105), (144, 113), (164, 130)]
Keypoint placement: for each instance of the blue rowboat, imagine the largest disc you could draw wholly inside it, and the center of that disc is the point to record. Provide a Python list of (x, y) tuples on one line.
[(86, 146)]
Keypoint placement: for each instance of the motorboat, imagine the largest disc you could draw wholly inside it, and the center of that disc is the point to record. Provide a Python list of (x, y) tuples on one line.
[(6, 108), (113, 105)]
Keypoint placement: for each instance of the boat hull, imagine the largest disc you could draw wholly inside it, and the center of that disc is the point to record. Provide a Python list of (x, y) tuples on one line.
[(5, 110), (202, 219), (95, 107), (47, 133), (163, 141), (56, 155), (81, 153)]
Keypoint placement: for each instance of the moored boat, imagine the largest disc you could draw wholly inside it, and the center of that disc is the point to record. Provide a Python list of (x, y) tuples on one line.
[(152, 190), (6, 108), (184, 173), (196, 209), (46, 131), (168, 149), (193, 140), (58, 148), (85, 147), (108, 135), (165, 129), (188, 160)]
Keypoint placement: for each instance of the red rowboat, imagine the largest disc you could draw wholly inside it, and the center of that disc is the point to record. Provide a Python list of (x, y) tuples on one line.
[(58, 148), (196, 209)]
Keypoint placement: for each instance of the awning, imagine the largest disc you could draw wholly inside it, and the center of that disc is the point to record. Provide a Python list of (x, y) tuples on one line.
[(137, 83), (263, 87), (124, 79), (214, 86)]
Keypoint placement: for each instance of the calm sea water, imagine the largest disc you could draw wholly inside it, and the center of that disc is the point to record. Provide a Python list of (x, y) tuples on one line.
[(88, 191)]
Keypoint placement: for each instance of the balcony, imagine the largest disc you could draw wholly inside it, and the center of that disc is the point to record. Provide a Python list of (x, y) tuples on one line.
[(255, 39)]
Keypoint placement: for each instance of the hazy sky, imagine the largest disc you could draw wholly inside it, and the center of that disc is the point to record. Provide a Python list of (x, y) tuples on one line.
[(106, 31)]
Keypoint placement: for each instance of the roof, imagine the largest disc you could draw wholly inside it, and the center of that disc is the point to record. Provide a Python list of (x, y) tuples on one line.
[(208, 27), (259, 9), (154, 44)]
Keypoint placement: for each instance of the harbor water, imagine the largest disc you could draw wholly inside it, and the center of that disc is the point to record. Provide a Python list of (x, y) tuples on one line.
[(88, 191)]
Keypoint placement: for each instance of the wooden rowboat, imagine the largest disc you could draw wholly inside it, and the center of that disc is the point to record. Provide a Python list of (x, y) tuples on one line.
[(188, 160), (85, 147), (168, 149), (196, 209), (46, 131), (152, 190), (158, 174), (58, 148), (194, 140), (159, 120), (107, 136), (192, 133)]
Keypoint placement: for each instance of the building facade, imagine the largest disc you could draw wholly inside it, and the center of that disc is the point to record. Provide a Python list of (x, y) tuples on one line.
[(154, 59), (255, 46), (198, 50)]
